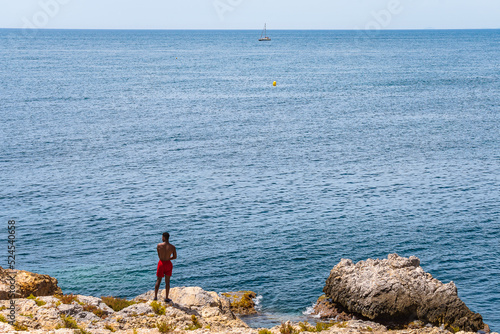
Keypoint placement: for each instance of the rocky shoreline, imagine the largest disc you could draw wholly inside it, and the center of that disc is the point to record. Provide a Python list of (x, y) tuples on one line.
[(390, 295)]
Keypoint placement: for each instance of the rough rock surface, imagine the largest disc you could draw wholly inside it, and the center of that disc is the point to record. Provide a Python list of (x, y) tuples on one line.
[(194, 298), (193, 308), (398, 290), (27, 283), (193, 311), (196, 301), (325, 309), (349, 327)]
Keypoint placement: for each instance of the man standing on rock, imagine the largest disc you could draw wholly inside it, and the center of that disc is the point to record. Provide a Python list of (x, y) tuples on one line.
[(166, 253)]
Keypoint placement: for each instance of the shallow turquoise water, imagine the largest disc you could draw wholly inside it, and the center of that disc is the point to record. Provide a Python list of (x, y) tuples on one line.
[(369, 145)]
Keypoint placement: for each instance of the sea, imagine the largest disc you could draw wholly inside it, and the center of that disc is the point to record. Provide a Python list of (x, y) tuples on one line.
[(371, 143)]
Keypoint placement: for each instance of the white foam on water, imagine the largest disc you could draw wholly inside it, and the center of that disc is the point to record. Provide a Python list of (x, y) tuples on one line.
[(310, 310), (257, 301)]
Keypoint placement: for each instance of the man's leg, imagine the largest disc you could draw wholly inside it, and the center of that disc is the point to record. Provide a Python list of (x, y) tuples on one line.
[(167, 287), (157, 286)]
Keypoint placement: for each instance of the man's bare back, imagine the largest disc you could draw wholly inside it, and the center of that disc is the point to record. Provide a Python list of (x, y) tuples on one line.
[(166, 251)]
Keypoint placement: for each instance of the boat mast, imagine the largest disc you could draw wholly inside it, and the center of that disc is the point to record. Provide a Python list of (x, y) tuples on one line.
[(264, 33)]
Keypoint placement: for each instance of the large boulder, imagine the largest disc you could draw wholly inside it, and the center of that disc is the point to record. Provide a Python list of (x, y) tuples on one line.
[(196, 297), (398, 290), (26, 283)]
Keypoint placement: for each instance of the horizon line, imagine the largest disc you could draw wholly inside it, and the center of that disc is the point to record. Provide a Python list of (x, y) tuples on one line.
[(246, 29)]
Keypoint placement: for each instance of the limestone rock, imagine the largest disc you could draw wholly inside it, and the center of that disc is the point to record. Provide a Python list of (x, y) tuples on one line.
[(325, 309), (398, 290), (213, 308), (26, 306), (194, 298), (47, 317), (209, 312), (202, 310), (136, 309), (5, 328), (70, 309), (27, 283), (86, 317), (94, 301)]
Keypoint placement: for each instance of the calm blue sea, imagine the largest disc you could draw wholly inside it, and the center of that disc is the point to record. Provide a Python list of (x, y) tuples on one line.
[(370, 144)]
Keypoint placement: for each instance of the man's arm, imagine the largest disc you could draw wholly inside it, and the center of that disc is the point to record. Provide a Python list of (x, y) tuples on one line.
[(174, 254), (158, 250)]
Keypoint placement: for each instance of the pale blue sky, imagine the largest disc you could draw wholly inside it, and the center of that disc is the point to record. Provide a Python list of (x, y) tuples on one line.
[(250, 14)]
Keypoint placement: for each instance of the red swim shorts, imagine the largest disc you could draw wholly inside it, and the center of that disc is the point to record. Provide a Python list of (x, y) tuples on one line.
[(164, 268)]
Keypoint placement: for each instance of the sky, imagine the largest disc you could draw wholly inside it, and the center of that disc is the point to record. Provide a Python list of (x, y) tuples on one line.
[(250, 14)]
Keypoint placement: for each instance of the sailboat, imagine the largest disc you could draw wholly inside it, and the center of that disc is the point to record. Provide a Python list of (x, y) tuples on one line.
[(264, 33)]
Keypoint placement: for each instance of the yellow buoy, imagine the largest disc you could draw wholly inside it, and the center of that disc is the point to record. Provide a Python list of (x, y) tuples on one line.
[(274, 83)]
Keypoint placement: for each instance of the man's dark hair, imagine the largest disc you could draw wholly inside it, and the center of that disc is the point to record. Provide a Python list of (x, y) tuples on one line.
[(166, 235)]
